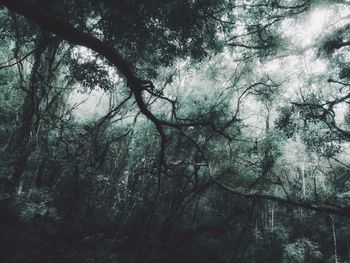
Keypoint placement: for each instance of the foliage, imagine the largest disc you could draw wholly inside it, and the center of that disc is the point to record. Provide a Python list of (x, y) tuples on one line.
[(302, 250), (174, 131)]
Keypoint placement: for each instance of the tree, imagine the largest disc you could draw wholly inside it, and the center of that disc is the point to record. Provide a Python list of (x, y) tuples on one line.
[(215, 135)]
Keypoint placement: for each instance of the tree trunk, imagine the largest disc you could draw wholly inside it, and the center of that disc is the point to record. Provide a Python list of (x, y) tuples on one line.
[(334, 240), (32, 107)]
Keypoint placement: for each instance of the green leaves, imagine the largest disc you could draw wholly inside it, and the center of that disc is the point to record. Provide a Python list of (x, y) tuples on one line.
[(110, 189), (91, 75), (34, 203), (302, 250)]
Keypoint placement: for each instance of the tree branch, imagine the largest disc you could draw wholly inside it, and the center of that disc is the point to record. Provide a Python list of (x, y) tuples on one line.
[(310, 205), (55, 25)]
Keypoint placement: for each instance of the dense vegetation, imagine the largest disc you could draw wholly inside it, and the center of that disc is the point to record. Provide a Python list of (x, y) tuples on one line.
[(175, 131)]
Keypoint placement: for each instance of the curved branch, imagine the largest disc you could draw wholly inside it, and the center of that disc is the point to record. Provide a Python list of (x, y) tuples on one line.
[(75, 36)]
